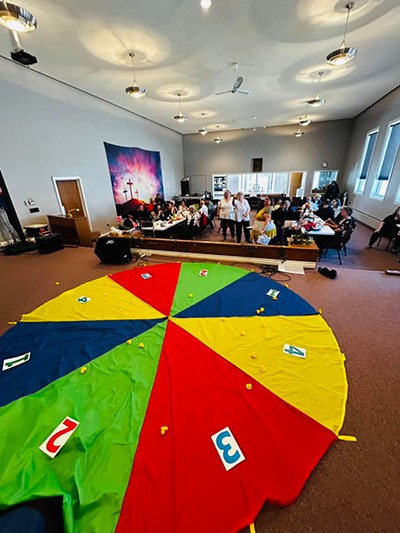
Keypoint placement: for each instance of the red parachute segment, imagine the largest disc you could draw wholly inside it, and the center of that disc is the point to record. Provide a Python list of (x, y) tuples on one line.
[(179, 482), (154, 284)]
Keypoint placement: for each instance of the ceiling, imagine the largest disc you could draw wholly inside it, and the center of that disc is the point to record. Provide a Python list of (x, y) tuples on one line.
[(279, 47)]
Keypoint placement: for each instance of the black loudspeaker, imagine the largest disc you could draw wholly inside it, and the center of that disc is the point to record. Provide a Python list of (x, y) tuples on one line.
[(47, 244), (113, 250), (185, 187)]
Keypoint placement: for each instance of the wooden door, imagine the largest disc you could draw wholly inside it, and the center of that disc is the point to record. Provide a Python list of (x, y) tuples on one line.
[(70, 197), (295, 183)]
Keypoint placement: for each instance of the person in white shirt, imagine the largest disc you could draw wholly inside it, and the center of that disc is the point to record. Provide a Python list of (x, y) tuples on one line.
[(226, 214), (242, 217), (203, 208)]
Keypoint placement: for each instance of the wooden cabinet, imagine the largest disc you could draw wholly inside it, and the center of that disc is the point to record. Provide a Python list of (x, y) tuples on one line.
[(74, 231)]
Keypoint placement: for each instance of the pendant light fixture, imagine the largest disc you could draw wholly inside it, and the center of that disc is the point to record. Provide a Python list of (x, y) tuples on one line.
[(16, 18), (298, 133), (203, 130), (218, 139), (317, 101), (304, 120), (134, 90), (180, 117), (345, 53), (205, 4)]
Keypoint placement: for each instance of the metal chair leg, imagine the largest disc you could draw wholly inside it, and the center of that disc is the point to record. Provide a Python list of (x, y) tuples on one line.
[(340, 259)]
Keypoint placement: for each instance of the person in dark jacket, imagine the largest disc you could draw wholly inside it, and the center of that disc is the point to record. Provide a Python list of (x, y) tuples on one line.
[(389, 227), (332, 191)]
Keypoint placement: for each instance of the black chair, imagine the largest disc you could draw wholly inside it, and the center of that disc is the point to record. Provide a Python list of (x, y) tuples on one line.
[(390, 239), (338, 242)]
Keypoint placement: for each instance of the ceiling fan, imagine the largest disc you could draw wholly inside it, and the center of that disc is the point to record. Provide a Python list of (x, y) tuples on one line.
[(236, 88)]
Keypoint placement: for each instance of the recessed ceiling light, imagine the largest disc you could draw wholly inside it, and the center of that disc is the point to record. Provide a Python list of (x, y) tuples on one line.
[(16, 18)]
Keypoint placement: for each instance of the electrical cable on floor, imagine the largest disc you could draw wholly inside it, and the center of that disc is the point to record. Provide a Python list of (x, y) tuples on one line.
[(271, 271)]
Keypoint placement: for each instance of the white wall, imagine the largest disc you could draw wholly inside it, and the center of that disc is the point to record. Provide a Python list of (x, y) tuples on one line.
[(49, 129), (279, 149), (366, 209)]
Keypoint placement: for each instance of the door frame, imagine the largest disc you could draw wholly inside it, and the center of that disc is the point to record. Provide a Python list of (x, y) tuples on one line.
[(80, 190)]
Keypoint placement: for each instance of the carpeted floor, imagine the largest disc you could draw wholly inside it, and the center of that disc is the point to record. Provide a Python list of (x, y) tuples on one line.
[(356, 486)]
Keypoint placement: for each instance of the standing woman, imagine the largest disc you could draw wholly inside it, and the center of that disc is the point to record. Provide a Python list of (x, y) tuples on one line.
[(226, 214), (263, 223), (242, 217)]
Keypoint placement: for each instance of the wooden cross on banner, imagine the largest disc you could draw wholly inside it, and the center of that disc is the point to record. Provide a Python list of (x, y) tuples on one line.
[(130, 183)]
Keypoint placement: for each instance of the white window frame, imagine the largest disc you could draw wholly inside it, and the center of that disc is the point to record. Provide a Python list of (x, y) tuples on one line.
[(397, 199), (317, 175), (380, 187), (364, 181)]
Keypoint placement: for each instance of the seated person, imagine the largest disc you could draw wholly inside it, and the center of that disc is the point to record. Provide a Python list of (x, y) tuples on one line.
[(212, 211), (182, 207), (159, 199), (128, 222), (151, 205), (170, 209), (343, 224), (203, 208), (285, 206), (192, 221), (326, 210), (157, 214), (336, 204), (387, 228)]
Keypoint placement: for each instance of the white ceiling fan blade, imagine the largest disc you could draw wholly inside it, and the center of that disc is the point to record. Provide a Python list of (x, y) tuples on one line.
[(223, 92), (243, 91)]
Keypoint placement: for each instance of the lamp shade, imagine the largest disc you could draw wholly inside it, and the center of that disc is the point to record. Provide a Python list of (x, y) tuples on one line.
[(344, 54), (180, 117), (304, 121), (316, 102), (16, 18), (341, 56), (135, 91)]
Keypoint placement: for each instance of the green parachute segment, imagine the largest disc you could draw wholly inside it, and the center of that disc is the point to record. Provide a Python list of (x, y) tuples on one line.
[(110, 401), (193, 287)]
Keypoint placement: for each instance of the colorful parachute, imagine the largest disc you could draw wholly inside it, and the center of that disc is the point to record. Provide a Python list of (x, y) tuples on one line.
[(174, 398)]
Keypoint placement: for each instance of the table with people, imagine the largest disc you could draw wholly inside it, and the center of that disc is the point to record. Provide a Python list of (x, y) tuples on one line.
[(274, 221)]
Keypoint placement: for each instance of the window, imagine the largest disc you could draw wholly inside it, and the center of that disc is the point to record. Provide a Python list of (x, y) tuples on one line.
[(390, 153), (253, 183), (369, 148), (323, 178), (397, 199)]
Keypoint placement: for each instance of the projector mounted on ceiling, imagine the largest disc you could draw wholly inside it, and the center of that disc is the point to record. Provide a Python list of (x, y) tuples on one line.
[(23, 57)]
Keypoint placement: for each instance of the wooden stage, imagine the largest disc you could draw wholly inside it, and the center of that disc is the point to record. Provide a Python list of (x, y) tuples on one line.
[(295, 255)]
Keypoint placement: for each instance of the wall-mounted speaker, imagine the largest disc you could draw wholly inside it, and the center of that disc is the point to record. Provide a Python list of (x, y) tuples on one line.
[(113, 250), (185, 188)]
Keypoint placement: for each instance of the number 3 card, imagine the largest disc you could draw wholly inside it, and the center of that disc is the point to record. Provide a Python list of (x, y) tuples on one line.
[(227, 448), (53, 444)]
